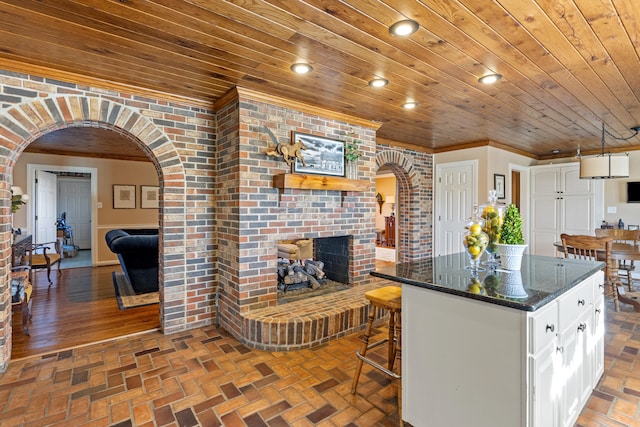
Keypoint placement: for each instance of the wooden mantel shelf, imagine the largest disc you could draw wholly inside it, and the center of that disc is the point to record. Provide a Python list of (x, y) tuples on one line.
[(319, 182)]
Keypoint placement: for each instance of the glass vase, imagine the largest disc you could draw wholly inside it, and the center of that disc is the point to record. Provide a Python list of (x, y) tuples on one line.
[(492, 214), (475, 285), (475, 240), (352, 170)]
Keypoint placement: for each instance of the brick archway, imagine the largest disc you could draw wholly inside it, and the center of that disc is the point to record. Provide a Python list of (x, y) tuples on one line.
[(413, 204), (23, 123)]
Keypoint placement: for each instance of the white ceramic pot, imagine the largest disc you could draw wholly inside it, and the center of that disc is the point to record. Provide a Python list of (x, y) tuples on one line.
[(511, 256), (511, 285)]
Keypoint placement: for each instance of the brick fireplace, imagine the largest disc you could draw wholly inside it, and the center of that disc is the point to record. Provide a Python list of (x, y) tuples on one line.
[(255, 212)]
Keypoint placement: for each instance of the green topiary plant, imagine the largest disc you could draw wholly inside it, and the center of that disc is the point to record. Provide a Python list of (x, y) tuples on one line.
[(511, 231)]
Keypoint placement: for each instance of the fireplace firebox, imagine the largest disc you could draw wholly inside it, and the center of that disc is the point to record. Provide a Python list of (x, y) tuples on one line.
[(311, 267), (334, 253)]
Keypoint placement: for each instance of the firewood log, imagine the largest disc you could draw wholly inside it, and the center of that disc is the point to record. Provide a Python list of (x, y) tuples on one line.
[(296, 277), (312, 280), (318, 264), (313, 269)]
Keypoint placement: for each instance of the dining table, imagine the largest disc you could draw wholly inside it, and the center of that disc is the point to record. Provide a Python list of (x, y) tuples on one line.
[(620, 251)]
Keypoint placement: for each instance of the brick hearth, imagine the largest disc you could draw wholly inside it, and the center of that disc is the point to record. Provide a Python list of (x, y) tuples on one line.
[(309, 322)]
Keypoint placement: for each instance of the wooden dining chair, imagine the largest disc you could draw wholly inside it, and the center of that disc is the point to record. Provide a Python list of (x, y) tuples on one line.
[(630, 237), (595, 248)]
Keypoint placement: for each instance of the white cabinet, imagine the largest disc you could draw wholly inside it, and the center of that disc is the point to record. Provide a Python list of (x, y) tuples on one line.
[(561, 202), (467, 362), (596, 345), (545, 407), (564, 372), (544, 361)]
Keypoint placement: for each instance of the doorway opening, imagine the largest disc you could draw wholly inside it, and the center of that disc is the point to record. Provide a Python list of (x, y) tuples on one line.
[(70, 190), (386, 219), (82, 306)]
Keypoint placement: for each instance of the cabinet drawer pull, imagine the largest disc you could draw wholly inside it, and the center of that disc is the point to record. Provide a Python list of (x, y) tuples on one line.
[(580, 302), (550, 328), (598, 311), (582, 327), (601, 285), (559, 349)]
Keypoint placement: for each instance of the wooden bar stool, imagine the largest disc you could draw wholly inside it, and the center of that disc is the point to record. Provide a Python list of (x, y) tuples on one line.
[(388, 298)]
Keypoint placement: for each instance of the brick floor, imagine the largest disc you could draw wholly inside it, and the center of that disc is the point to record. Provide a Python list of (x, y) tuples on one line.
[(204, 377)]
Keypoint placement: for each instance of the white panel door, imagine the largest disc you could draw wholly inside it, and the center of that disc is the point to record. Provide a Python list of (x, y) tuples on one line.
[(572, 184), (456, 187), (74, 198), (561, 203), (46, 198), (578, 214), (545, 181), (545, 223)]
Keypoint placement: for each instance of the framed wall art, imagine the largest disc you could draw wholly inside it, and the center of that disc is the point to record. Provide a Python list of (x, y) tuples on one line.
[(498, 184), (124, 196), (322, 156), (149, 196)]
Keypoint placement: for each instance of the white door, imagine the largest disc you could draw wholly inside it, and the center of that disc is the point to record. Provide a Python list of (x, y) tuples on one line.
[(74, 198), (456, 185), (561, 202), (46, 198)]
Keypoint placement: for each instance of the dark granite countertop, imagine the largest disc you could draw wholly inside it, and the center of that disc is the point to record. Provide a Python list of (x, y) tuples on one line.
[(542, 279)]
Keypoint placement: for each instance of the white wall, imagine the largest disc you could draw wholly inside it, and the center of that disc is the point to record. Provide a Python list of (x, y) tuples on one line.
[(615, 195), (491, 160)]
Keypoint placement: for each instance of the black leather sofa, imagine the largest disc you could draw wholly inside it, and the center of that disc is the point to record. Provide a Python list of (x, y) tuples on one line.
[(137, 251)]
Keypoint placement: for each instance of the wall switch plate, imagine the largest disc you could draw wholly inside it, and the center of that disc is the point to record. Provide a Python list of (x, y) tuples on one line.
[(612, 209), (99, 205)]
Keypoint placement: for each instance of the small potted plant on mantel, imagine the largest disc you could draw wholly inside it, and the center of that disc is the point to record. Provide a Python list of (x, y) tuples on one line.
[(511, 242), (352, 154)]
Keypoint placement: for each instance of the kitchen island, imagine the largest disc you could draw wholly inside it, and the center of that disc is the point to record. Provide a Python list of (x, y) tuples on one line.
[(498, 348)]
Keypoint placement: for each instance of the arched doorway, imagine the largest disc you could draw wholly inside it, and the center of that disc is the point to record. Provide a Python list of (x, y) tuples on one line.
[(413, 206), (23, 123), (89, 302)]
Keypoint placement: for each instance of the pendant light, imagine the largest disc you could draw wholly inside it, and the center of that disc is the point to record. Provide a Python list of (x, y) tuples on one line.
[(606, 165)]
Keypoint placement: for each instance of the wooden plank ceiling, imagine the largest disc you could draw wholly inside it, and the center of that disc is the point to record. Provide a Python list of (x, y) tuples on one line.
[(567, 65)]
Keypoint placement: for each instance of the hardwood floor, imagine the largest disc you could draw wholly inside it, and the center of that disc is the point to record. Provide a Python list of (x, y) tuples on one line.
[(79, 308)]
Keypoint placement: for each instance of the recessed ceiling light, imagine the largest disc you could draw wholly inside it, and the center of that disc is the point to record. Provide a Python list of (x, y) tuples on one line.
[(409, 105), (404, 28), (490, 78), (301, 68), (555, 151), (378, 82)]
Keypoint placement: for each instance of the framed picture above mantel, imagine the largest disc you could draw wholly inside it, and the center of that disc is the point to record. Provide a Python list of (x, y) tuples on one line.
[(322, 156)]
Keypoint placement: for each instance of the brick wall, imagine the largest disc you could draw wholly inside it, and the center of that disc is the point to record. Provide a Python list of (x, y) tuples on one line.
[(216, 194), (179, 140)]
